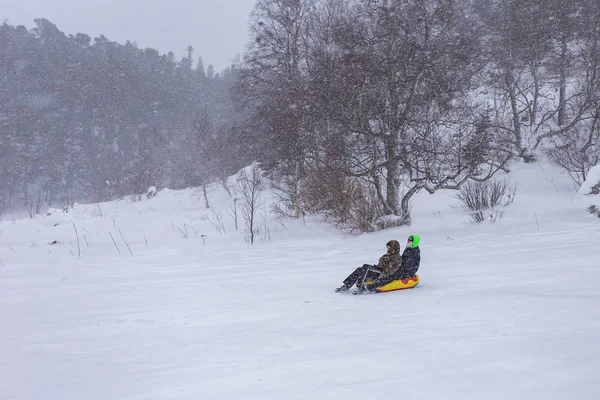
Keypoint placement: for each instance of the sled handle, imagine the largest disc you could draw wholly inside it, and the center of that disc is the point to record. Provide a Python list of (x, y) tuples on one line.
[(367, 273)]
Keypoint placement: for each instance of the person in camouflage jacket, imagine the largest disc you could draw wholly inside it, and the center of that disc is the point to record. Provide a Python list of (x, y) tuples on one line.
[(387, 266), (411, 259)]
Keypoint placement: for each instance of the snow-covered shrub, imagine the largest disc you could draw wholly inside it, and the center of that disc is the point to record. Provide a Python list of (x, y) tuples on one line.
[(326, 190), (484, 199), (365, 212), (575, 152), (347, 203)]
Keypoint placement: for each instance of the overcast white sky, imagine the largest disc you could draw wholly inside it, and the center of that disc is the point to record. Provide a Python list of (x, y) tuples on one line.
[(217, 29)]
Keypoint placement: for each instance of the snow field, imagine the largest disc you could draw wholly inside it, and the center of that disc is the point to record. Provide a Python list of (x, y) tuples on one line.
[(503, 310)]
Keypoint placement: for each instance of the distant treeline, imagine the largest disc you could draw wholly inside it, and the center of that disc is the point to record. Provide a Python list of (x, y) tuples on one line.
[(86, 119)]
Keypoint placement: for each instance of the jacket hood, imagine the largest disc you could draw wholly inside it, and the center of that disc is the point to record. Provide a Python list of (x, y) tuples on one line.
[(395, 245), (416, 240)]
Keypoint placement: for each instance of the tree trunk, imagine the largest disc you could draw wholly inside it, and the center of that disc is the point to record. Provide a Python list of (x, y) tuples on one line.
[(405, 205), (536, 95), (296, 190), (205, 194), (386, 207), (515, 110), (393, 170), (563, 81)]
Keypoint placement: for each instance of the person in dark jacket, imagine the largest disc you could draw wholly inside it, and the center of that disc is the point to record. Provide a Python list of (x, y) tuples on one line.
[(388, 265), (411, 260)]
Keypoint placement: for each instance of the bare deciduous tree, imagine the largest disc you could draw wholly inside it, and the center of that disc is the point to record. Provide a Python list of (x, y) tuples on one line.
[(274, 81), (409, 66), (251, 185), (203, 126), (576, 148), (445, 153)]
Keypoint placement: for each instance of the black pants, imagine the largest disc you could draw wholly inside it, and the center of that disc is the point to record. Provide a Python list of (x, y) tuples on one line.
[(362, 274)]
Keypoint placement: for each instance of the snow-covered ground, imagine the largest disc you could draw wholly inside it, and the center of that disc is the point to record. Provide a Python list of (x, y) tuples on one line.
[(505, 310)]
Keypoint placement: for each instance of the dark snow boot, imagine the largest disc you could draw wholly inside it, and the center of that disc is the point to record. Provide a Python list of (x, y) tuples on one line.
[(342, 288)]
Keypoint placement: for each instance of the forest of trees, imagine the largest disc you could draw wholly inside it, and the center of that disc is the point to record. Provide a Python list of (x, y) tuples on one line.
[(350, 106), (92, 120)]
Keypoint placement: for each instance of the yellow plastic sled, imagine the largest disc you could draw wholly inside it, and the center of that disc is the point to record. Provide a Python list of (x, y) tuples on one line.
[(399, 284)]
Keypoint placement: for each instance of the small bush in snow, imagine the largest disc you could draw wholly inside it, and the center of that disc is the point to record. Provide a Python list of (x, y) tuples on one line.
[(151, 192), (365, 213), (594, 210), (348, 203), (483, 198), (217, 221), (134, 198), (576, 151), (285, 193)]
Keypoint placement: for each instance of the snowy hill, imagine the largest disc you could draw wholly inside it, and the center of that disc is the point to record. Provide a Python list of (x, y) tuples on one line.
[(163, 299)]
